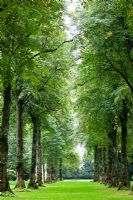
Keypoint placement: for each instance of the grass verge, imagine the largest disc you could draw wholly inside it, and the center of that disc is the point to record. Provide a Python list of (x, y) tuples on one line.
[(73, 190)]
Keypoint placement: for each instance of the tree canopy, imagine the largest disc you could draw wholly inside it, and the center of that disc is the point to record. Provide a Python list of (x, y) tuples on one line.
[(65, 78)]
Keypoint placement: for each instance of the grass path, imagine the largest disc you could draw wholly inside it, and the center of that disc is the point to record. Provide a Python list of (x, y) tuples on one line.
[(74, 190)]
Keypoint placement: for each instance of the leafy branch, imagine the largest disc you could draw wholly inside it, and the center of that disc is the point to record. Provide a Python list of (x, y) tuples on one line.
[(56, 48), (121, 74)]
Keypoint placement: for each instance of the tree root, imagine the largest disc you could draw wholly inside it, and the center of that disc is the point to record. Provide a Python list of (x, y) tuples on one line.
[(7, 194), (21, 190)]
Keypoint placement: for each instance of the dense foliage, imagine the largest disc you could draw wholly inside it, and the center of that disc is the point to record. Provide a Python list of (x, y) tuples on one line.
[(105, 87), (59, 87)]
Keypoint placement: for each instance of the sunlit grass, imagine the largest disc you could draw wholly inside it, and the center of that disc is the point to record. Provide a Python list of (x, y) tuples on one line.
[(74, 190)]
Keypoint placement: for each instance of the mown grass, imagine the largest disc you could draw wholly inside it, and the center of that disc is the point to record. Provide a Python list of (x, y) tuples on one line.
[(73, 190)]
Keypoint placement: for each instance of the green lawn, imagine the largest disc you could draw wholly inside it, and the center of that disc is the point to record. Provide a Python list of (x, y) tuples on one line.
[(74, 190)]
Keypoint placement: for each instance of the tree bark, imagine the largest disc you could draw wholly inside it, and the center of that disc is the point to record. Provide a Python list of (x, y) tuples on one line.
[(19, 136), (124, 180), (61, 169), (101, 164), (96, 164), (39, 156), (51, 169), (112, 179), (32, 183), (4, 183), (43, 173), (49, 176), (104, 164)]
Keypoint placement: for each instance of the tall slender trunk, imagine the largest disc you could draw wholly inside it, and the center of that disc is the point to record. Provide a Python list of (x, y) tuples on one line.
[(114, 181), (112, 157), (124, 180), (61, 169), (49, 173), (100, 163), (96, 164), (32, 182), (43, 173), (19, 136), (39, 156), (4, 183), (44, 169), (104, 164), (51, 169)]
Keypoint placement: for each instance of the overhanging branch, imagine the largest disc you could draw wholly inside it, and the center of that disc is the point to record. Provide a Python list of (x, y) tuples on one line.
[(121, 74), (54, 49)]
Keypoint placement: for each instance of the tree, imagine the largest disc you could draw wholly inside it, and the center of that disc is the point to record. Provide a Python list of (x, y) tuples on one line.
[(21, 38), (106, 57)]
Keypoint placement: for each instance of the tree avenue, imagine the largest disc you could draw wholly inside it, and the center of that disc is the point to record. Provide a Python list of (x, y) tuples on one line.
[(105, 93), (45, 91)]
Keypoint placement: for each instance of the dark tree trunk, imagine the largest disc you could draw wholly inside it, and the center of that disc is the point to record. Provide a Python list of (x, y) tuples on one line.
[(101, 164), (39, 156), (96, 164), (104, 164), (61, 169), (124, 180), (19, 167), (53, 171), (108, 181), (32, 183), (4, 183), (112, 179)]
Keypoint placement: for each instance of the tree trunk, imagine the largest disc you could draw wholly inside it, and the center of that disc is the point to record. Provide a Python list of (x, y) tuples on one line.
[(4, 183), (49, 173), (61, 169), (19, 167), (124, 180), (96, 164), (104, 164), (51, 169), (32, 183), (101, 164), (112, 179), (43, 173), (44, 170), (39, 156)]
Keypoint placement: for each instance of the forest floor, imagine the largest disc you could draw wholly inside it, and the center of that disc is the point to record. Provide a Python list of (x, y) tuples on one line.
[(73, 190)]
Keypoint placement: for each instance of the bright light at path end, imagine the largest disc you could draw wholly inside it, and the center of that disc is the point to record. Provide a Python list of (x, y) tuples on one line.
[(71, 5), (80, 150)]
